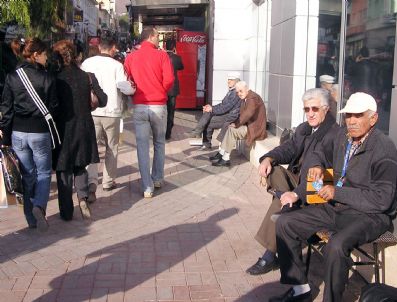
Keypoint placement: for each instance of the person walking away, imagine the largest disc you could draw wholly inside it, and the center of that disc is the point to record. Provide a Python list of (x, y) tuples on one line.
[(30, 137), (109, 72), (151, 70), (76, 127), (177, 64)]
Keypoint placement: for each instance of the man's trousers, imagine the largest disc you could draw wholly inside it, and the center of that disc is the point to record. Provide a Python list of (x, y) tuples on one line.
[(282, 180), (349, 228)]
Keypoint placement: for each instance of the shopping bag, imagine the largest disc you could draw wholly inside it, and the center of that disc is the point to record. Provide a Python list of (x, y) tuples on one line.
[(6, 199), (11, 174)]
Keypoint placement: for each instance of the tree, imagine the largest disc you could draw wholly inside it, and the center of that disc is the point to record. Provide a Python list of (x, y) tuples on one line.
[(15, 11), (38, 17)]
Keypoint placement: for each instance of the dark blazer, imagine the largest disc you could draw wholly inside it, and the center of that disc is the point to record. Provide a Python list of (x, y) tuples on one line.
[(253, 115), (75, 124), (177, 64), (297, 152)]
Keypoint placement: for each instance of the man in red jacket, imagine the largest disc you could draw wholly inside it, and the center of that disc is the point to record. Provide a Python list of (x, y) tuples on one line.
[(152, 72)]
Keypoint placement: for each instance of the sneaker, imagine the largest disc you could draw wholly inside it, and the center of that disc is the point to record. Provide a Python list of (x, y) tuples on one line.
[(84, 209), (91, 193), (110, 187), (206, 147), (157, 184), (39, 214), (147, 194)]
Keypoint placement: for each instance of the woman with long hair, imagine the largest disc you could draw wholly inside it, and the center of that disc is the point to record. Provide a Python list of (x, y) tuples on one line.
[(25, 127), (76, 128)]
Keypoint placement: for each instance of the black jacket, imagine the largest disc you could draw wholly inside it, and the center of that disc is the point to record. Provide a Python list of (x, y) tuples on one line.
[(297, 152), (371, 176), (177, 64), (75, 124), (19, 112)]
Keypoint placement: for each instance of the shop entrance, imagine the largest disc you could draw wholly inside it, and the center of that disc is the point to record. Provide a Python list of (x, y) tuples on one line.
[(186, 24)]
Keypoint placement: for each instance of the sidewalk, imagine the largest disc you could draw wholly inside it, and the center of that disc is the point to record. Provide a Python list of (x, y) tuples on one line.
[(191, 242)]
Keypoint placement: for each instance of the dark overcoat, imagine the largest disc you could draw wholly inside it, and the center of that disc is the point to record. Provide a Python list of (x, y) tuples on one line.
[(75, 123)]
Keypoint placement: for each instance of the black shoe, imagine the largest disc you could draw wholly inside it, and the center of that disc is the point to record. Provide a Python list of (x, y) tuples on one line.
[(216, 157), (262, 267), (39, 214), (221, 163), (288, 296)]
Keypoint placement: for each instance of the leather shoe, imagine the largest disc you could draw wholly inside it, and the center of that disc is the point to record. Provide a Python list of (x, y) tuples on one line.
[(216, 157), (221, 163), (288, 296), (262, 267)]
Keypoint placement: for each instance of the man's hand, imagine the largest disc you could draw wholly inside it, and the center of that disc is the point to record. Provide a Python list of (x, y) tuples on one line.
[(1, 134), (327, 192), (207, 108), (265, 167), (315, 173), (288, 198), (232, 125)]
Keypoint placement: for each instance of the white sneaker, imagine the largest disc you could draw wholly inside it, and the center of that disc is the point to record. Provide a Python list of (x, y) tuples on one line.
[(147, 194), (158, 184)]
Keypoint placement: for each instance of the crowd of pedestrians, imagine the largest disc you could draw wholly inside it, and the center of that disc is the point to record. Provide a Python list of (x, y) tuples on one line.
[(48, 118)]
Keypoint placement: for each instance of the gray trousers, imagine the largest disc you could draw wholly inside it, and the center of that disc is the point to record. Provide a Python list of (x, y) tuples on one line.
[(209, 122), (282, 180)]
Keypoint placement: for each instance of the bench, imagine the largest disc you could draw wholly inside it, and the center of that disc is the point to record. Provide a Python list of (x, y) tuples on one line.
[(386, 239)]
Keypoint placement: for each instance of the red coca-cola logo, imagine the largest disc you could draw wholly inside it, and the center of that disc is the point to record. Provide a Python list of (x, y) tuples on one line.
[(193, 39)]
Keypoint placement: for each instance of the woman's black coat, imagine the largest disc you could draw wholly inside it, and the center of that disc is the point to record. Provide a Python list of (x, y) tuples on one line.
[(75, 123)]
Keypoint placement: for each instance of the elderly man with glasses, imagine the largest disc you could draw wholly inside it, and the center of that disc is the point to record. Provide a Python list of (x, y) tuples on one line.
[(359, 208), (288, 186)]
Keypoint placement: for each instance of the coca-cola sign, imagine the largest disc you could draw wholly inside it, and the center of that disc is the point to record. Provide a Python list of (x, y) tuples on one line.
[(199, 39)]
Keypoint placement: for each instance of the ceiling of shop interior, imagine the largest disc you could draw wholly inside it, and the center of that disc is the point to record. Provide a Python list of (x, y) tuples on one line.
[(167, 12)]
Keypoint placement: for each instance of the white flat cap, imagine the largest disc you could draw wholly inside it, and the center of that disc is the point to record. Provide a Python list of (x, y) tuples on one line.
[(327, 79), (233, 75), (359, 102)]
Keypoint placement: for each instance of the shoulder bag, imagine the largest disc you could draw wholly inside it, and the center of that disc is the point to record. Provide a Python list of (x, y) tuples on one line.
[(39, 103), (94, 101)]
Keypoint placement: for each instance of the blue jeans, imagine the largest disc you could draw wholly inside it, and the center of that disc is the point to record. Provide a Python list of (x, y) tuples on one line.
[(34, 154), (150, 119)]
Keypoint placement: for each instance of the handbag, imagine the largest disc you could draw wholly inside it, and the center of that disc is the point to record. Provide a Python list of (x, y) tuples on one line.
[(11, 175), (94, 101), (39, 103), (286, 135)]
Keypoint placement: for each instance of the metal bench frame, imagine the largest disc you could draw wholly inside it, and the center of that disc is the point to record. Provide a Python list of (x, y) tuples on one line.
[(385, 239)]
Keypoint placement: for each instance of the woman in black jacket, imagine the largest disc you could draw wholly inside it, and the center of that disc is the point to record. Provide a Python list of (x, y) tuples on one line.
[(76, 128), (30, 137)]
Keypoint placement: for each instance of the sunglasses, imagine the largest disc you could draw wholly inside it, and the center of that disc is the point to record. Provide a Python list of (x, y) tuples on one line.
[(314, 109)]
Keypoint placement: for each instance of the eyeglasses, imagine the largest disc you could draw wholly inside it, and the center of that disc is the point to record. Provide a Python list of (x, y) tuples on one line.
[(314, 109)]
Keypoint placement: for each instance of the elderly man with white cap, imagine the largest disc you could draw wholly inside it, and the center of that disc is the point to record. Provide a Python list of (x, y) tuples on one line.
[(358, 207), (220, 115)]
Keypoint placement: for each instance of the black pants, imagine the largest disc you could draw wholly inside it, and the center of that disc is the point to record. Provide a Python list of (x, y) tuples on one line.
[(350, 228), (209, 122), (170, 115), (65, 189), (378, 292)]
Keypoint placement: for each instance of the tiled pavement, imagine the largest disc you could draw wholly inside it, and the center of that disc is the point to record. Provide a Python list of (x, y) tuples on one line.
[(191, 242)]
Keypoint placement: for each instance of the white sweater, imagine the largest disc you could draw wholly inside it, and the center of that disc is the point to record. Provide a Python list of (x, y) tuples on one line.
[(108, 72)]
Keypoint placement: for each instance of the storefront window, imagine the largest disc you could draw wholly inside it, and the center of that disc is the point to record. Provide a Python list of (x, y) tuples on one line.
[(329, 28), (369, 53)]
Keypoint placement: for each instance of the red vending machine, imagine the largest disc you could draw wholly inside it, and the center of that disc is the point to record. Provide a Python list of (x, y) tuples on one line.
[(192, 47)]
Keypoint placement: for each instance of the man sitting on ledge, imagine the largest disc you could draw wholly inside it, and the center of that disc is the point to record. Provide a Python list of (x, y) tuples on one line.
[(359, 205), (251, 125), (218, 116), (320, 128)]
